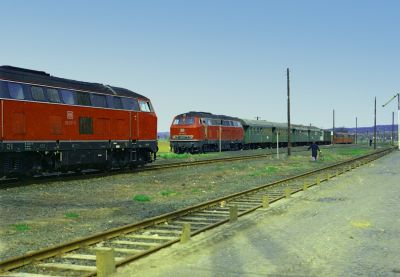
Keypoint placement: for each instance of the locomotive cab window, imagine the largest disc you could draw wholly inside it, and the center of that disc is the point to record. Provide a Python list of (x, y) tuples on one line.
[(38, 94), (16, 91), (83, 99), (184, 120), (144, 106), (85, 125), (53, 96)]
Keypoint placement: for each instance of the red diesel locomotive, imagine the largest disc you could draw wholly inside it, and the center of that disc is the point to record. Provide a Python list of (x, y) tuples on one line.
[(203, 132), (50, 124)]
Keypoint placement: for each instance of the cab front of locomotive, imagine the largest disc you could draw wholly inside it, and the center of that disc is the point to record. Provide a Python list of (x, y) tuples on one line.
[(186, 134)]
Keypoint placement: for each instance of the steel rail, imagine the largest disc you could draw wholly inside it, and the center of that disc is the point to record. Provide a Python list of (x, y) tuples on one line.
[(162, 220), (7, 183)]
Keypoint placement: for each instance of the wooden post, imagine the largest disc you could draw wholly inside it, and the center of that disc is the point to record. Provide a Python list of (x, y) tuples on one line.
[(265, 201), (356, 129), (233, 213), (185, 236), (105, 262)]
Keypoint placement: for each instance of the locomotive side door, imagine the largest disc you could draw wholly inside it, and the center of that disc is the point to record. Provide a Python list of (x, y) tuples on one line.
[(134, 127), (205, 126)]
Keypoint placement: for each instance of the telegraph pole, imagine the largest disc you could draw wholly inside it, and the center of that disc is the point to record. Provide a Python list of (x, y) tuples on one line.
[(288, 113), (392, 128), (398, 116), (375, 125), (333, 128), (356, 129)]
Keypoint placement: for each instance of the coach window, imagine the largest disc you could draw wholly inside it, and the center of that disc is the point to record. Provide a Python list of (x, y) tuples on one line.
[(117, 103), (83, 99), (16, 91), (85, 125), (38, 94), (52, 95), (99, 100), (68, 96)]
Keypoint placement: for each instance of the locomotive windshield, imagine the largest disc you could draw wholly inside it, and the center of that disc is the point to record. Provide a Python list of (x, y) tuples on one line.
[(184, 120)]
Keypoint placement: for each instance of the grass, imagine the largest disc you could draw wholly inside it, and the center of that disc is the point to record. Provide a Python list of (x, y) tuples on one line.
[(352, 152), (163, 146), (21, 227), (141, 198), (169, 192), (174, 156), (269, 170), (71, 215)]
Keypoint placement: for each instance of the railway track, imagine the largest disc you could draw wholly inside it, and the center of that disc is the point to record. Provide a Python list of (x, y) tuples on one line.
[(7, 183), (131, 242)]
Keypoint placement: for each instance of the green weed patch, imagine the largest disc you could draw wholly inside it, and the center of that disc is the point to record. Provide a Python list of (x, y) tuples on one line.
[(21, 227), (71, 215), (271, 169), (168, 192), (141, 198)]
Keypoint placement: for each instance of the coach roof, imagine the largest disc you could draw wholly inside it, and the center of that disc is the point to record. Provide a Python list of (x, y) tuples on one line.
[(23, 75)]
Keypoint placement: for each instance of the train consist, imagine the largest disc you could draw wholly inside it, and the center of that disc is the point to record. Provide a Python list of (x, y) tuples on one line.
[(200, 132), (53, 124)]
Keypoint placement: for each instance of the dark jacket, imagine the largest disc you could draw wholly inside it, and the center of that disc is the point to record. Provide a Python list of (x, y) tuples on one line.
[(314, 148)]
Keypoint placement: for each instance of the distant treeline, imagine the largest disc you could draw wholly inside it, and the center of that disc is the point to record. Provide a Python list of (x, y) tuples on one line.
[(163, 135)]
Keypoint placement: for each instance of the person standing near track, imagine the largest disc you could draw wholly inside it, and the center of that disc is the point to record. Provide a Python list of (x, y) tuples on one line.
[(314, 150)]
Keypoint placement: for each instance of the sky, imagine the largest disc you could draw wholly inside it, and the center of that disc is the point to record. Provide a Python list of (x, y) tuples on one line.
[(221, 56)]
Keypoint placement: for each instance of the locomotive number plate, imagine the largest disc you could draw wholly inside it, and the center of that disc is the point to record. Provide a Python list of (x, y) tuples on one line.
[(70, 115)]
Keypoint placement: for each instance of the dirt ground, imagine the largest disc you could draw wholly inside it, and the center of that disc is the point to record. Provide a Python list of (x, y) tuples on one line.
[(349, 226), (42, 215)]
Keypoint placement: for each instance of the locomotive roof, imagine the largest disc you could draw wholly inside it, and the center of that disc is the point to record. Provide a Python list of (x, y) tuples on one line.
[(42, 78), (209, 115)]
